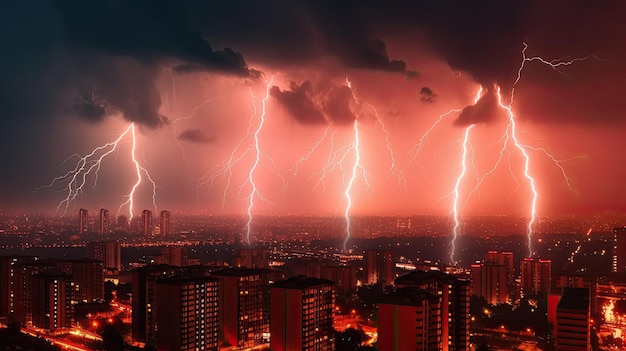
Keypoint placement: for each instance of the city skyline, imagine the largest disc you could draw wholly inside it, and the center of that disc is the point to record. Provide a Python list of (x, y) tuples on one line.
[(191, 97)]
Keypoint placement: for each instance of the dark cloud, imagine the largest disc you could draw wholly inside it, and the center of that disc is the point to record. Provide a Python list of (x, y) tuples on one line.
[(319, 104), (427, 95), (60, 50), (196, 136), (485, 110), (88, 107), (337, 105), (298, 101)]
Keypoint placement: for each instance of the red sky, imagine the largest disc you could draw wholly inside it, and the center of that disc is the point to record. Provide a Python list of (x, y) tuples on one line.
[(79, 74)]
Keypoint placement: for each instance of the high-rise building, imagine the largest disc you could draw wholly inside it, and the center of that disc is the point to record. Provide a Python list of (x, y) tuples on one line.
[(379, 267), (344, 277), (451, 308), (83, 221), (165, 226), (188, 314), (108, 252), (619, 250), (10, 273), (408, 320), (173, 256), (23, 269), (146, 220), (51, 301), (144, 306), (103, 223), (302, 314), (257, 257), (243, 306), (491, 279), (573, 315), (504, 258), (536, 276), (122, 223), (87, 278)]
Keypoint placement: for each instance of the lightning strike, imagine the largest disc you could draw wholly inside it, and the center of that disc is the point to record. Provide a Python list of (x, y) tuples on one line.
[(293, 171), (512, 127), (253, 188), (355, 166), (130, 201), (510, 137), (90, 165), (455, 203), (393, 167)]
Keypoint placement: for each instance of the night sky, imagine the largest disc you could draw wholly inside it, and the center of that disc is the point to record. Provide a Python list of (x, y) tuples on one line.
[(75, 74)]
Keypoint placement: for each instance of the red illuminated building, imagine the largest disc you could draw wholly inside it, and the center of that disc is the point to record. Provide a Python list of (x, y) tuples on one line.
[(491, 279), (408, 320), (344, 277), (302, 314), (379, 268), (51, 301), (243, 306), (144, 306), (448, 313), (573, 317), (536, 276), (619, 251), (188, 314)]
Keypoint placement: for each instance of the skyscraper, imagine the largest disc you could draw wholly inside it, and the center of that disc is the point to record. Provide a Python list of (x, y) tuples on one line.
[(379, 267), (86, 275), (408, 321), (536, 276), (83, 221), (344, 277), (164, 223), (188, 314), (103, 223), (619, 250), (491, 279), (144, 306), (243, 306), (573, 314), (146, 220), (450, 314), (51, 301), (108, 252), (122, 222), (302, 314)]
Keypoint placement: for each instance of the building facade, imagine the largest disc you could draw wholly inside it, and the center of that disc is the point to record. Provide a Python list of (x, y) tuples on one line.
[(243, 306), (188, 314), (301, 315), (165, 225), (104, 225), (83, 221), (379, 267), (573, 315), (450, 310), (536, 276)]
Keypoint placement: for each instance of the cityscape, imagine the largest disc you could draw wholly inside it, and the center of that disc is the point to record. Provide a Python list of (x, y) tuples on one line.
[(312, 175)]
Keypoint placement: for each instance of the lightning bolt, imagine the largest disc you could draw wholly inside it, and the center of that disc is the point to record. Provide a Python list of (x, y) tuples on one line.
[(393, 168), (293, 171), (355, 166), (253, 189), (510, 139), (130, 201), (455, 203), (89, 166)]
